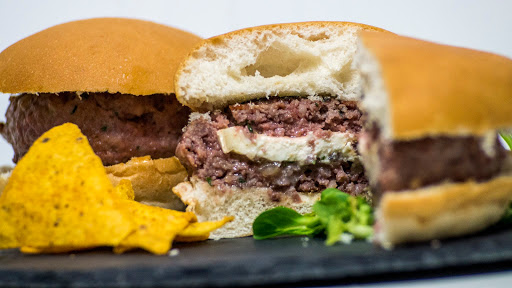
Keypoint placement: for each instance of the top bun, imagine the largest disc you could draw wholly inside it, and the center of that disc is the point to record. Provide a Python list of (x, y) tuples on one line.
[(96, 55), (294, 59), (416, 89)]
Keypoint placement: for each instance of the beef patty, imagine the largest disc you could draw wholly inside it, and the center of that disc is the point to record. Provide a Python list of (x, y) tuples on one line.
[(118, 126), (432, 160), (200, 152)]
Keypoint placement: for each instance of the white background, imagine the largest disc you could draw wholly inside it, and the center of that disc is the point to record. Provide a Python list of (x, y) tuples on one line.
[(485, 25)]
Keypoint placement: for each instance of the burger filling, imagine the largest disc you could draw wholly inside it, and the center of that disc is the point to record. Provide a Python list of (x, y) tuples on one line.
[(287, 144), (118, 126), (404, 165)]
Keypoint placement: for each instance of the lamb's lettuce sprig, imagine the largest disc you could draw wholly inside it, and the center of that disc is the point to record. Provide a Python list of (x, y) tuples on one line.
[(335, 214)]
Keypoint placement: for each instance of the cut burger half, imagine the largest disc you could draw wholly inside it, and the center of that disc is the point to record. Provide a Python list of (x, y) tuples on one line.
[(277, 121), (114, 78), (430, 143)]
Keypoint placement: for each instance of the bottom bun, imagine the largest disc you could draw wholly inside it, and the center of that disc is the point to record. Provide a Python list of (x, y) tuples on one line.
[(210, 203), (152, 180), (441, 211)]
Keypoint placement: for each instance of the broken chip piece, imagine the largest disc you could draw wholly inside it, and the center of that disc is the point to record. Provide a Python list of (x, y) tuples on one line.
[(199, 231), (154, 227)]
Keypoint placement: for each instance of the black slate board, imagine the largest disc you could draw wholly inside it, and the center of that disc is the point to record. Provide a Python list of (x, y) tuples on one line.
[(244, 262)]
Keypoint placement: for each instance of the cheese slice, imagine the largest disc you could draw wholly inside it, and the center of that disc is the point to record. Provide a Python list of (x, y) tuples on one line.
[(308, 149)]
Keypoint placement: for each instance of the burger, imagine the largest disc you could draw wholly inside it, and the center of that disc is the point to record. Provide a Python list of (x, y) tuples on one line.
[(430, 143), (113, 78), (276, 120)]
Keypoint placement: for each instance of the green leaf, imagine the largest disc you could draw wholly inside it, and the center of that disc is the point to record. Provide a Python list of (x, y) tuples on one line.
[(339, 212), (284, 221), (360, 231), (335, 227), (507, 136), (335, 213), (507, 217), (333, 209), (332, 202), (363, 212)]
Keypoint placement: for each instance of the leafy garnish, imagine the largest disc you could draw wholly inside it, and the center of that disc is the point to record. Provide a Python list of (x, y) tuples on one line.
[(507, 137), (209, 180), (334, 214), (284, 221), (249, 127), (507, 217)]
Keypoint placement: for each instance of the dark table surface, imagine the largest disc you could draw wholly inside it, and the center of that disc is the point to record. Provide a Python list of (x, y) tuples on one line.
[(247, 262)]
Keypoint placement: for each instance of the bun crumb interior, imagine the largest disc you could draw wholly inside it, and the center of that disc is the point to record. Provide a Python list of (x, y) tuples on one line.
[(296, 59)]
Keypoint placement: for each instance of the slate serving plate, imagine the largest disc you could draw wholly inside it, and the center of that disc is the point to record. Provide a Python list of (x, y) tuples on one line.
[(246, 262)]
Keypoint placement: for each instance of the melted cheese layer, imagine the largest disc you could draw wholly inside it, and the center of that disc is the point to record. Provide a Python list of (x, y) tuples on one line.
[(305, 150)]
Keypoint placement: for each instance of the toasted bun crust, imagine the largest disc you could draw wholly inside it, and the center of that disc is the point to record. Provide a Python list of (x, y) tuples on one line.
[(152, 180), (418, 89), (96, 55), (441, 211), (210, 204), (293, 59)]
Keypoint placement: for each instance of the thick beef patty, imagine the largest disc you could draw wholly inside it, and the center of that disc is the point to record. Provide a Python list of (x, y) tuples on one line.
[(296, 117), (118, 126), (200, 152), (432, 160)]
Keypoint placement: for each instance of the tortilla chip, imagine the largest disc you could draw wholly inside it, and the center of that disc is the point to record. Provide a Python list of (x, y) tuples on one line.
[(59, 195), (60, 199), (50, 250), (200, 231), (4, 177), (7, 231), (124, 190), (155, 227)]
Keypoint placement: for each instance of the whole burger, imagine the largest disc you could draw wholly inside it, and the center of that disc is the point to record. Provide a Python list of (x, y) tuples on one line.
[(112, 77), (279, 123), (430, 141)]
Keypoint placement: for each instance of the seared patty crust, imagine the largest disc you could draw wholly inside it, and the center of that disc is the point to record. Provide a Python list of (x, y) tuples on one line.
[(200, 152), (118, 126)]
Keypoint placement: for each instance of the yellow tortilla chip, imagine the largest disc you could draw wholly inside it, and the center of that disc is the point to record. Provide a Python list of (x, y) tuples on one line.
[(200, 231), (124, 190), (4, 176), (60, 196), (155, 227), (7, 231), (49, 250), (60, 199)]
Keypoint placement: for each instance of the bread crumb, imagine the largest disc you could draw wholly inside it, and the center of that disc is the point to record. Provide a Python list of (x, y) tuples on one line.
[(346, 238), (174, 252), (195, 116), (305, 241)]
